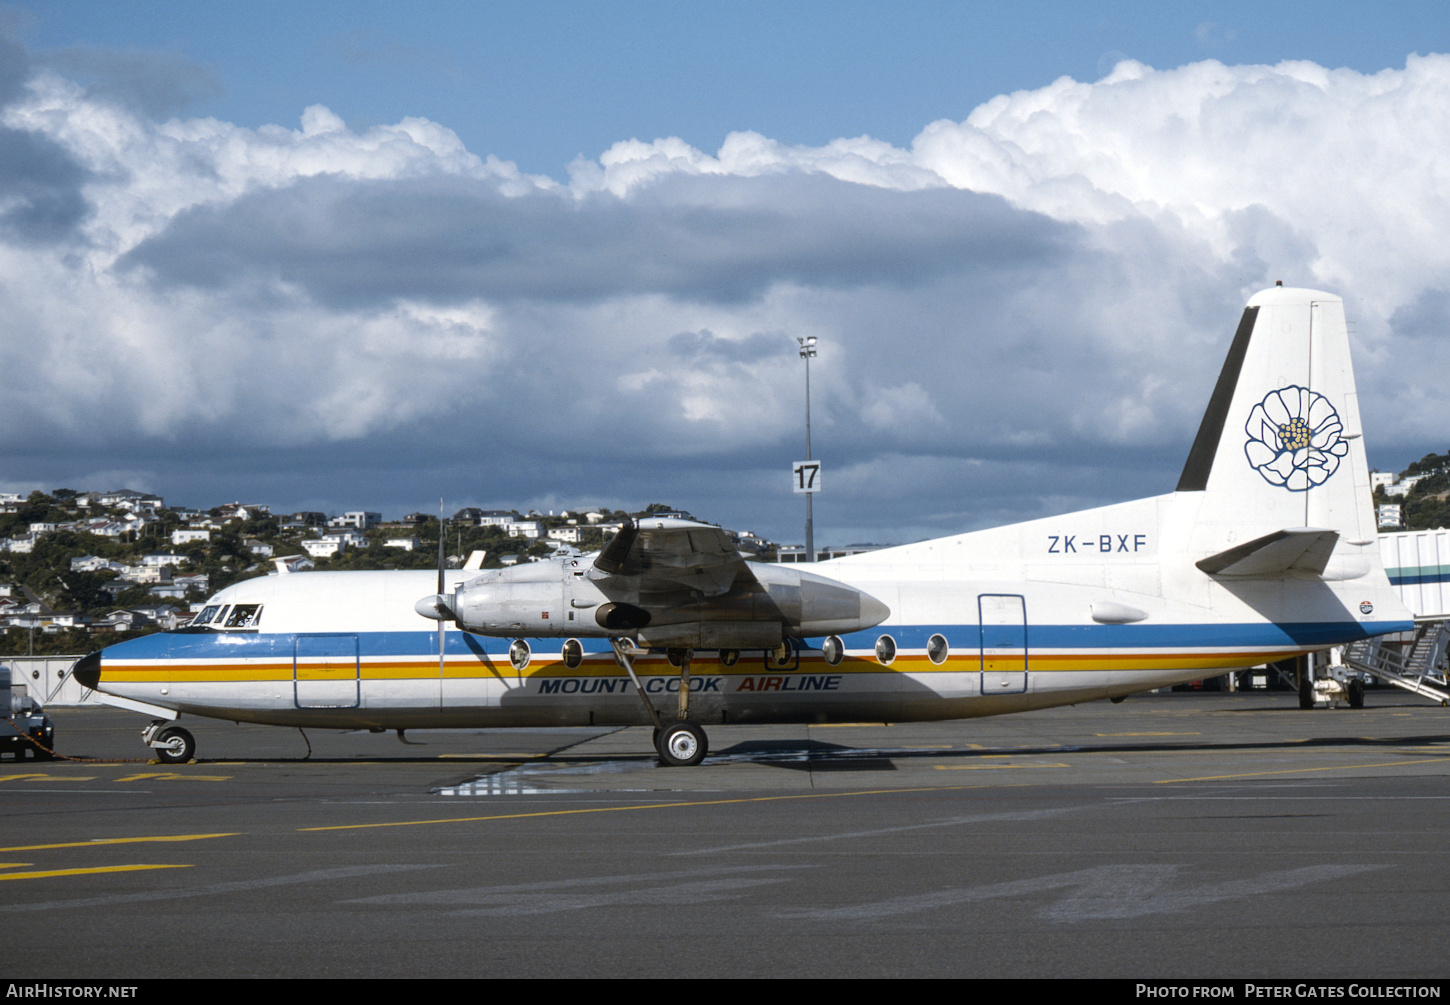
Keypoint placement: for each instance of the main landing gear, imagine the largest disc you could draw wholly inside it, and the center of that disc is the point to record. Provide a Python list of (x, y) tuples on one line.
[(173, 745), (682, 743)]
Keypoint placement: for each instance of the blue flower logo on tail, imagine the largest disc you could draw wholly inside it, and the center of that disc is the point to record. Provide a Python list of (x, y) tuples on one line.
[(1294, 438)]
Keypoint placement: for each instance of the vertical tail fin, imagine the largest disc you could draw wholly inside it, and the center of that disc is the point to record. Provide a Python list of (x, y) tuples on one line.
[(1280, 446)]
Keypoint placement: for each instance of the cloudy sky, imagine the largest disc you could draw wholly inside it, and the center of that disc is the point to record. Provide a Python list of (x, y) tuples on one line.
[(335, 256)]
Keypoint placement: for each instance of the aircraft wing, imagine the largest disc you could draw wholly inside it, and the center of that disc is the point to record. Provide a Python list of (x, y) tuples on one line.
[(664, 583), (666, 555), (1303, 549)]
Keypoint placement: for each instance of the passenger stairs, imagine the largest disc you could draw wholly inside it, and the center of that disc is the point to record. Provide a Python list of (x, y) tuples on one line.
[(1419, 668)]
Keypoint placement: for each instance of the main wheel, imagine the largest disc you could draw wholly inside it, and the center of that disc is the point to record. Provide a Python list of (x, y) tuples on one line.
[(681, 745), (1356, 694), (174, 745)]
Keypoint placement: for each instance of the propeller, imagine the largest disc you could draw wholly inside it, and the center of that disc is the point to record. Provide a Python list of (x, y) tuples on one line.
[(436, 607), (440, 605)]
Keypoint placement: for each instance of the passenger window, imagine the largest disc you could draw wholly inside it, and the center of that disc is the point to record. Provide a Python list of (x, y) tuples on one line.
[(573, 654), (834, 650), (885, 650), (937, 649), (519, 653)]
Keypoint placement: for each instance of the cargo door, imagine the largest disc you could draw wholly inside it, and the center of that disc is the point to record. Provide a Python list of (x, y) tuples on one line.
[(325, 671)]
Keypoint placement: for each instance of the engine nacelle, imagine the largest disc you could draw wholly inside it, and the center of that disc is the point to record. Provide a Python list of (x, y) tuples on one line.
[(815, 606)]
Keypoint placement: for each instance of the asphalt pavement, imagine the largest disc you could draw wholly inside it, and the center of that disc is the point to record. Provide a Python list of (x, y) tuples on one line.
[(1174, 835)]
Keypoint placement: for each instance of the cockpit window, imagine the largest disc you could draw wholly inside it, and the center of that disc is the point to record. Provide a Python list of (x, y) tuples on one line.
[(245, 616), (207, 613)]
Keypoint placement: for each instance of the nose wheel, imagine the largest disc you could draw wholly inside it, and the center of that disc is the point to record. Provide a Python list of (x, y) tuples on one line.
[(681, 744), (173, 745)]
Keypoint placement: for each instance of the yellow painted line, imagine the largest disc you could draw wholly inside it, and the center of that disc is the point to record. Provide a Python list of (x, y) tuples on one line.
[(47, 778), (1147, 734), (1300, 771), (627, 809), (137, 840), (13, 865), (173, 776), (47, 874), (500, 756)]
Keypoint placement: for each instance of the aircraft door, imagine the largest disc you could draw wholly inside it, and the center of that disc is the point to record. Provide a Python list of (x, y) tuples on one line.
[(325, 671), (1003, 621)]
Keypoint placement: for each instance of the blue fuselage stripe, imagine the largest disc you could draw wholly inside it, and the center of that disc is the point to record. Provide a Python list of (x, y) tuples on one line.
[(1070, 638)]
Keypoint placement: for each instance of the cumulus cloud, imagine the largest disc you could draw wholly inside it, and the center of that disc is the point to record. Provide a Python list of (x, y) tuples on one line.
[(1040, 292), (40, 197)]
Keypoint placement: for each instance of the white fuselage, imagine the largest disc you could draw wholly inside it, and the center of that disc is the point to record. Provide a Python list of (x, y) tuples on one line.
[(1051, 612)]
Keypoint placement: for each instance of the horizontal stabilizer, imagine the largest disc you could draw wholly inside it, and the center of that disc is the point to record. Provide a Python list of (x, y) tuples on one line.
[(1303, 549)]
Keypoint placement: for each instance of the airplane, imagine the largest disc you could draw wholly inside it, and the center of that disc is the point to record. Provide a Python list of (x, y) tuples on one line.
[(1266, 549)]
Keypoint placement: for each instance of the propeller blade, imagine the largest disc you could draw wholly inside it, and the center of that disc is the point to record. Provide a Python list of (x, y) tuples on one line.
[(441, 606), (440, 547)]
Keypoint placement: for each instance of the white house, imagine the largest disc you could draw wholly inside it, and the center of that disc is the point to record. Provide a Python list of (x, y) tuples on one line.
[(1399, 489), (333, 544), (94, 563)]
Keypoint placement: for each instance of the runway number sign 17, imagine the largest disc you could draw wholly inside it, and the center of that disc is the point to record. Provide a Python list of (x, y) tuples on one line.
[(806, 476)]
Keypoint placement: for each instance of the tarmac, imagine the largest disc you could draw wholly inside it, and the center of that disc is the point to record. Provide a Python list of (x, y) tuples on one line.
[(1172, 835)]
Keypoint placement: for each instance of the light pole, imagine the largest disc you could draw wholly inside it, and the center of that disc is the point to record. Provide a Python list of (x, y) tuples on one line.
[(808, 352)]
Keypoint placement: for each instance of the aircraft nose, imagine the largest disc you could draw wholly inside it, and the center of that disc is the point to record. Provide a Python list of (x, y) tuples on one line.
[(87, 670)]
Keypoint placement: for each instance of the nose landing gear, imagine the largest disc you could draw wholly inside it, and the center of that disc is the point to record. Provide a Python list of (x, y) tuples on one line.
[(173, 744)]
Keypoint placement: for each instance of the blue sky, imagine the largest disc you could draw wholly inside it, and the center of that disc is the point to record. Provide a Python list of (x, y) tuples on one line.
[(331, 255)]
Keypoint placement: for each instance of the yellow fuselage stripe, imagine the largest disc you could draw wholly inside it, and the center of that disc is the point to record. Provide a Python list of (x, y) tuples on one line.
[(425, 669)]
